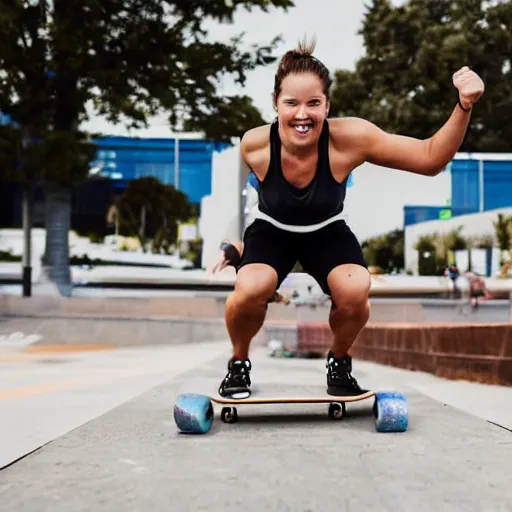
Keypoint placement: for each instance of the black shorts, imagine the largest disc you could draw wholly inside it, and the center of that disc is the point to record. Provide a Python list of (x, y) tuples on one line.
[(318, 252)]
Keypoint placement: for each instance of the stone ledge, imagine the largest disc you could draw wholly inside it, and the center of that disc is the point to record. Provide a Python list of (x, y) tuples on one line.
[(476, 352), (116, 332), (190, 307), (197, 307)]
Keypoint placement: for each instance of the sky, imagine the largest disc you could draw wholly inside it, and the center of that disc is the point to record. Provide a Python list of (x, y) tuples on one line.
[(334, 23)]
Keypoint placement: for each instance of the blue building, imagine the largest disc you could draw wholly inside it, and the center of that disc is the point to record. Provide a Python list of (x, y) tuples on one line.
[(184, 163), (479, 182)]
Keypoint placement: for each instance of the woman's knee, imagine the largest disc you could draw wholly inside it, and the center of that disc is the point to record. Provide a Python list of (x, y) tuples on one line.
[(350, 289), (255, 285)]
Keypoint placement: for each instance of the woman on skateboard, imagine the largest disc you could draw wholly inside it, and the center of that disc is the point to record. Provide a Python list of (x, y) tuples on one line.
[(302, 162)]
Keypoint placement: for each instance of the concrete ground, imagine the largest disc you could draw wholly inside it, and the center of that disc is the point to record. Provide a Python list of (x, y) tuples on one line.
[(110, 442), (43, 395)]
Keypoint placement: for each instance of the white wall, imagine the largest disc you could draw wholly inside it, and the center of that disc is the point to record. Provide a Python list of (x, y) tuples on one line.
[(476, 224), (375, 203), (251, 205), (12, 240), (220, 211)]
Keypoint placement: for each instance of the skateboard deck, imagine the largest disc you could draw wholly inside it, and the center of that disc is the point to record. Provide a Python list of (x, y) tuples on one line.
[(258, 398), (194, 412)]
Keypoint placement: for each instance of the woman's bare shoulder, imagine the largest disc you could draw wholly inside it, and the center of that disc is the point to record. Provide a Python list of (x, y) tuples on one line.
[(255, 139)]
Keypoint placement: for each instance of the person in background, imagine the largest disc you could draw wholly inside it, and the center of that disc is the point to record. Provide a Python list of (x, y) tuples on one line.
[(453, 273), (477, 288)]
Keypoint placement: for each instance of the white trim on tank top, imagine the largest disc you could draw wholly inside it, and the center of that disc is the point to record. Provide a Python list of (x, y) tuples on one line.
[(258, 214)]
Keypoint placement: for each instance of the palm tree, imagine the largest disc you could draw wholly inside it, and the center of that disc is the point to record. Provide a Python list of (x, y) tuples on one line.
[(503, 229)]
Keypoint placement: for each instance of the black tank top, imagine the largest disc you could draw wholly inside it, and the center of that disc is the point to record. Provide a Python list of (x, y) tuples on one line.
[(318, 201)]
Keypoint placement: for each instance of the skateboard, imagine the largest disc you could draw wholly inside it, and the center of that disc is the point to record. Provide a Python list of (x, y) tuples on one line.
[(194, 413)]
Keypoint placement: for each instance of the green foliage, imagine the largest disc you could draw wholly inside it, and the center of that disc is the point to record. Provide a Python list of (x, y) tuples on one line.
[(194, 253), (454, 241), (483, 242), (149, 209), (124, 60), (444, 244), (404, 82), (233, 116), (449, 242), (7, 256), (386, 251), (503, 227), (127, 60), (427, 257), (96, 238), (433, 249)]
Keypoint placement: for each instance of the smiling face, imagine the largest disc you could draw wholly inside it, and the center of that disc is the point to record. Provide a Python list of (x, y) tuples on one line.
[(302, 108)]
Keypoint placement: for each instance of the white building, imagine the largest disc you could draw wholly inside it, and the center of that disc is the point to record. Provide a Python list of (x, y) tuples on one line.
[(221, 211), (375, 203)]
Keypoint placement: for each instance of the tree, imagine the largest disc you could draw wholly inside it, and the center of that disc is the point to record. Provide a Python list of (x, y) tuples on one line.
[(150, 209), (385, 251), (9, 141), (503, 227), (427, 258), (125, 60), (454, 241), (404, 82), (449, 242)]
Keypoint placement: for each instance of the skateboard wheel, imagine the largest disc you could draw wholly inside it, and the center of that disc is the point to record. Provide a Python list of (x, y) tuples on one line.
[(229, 415), (390, 411), (337, 410), (193, 414)]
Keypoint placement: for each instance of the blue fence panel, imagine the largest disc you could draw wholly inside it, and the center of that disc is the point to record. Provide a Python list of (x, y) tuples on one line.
[(465, 186), (497, 184)]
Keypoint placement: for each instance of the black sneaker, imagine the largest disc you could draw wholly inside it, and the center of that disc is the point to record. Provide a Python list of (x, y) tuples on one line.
[(339, 377), (237, 383)]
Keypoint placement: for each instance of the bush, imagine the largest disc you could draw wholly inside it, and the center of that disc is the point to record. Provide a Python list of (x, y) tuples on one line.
[(96, 238), (7, 256), (427, 255), (195, 251), (386, 251)]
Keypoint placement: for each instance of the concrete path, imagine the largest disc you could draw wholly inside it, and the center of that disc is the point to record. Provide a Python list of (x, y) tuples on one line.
[(44, 395), (131, 457)]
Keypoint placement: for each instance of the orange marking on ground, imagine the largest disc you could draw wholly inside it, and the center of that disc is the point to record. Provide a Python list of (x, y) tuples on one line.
[(17, 357), (39, 389)]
